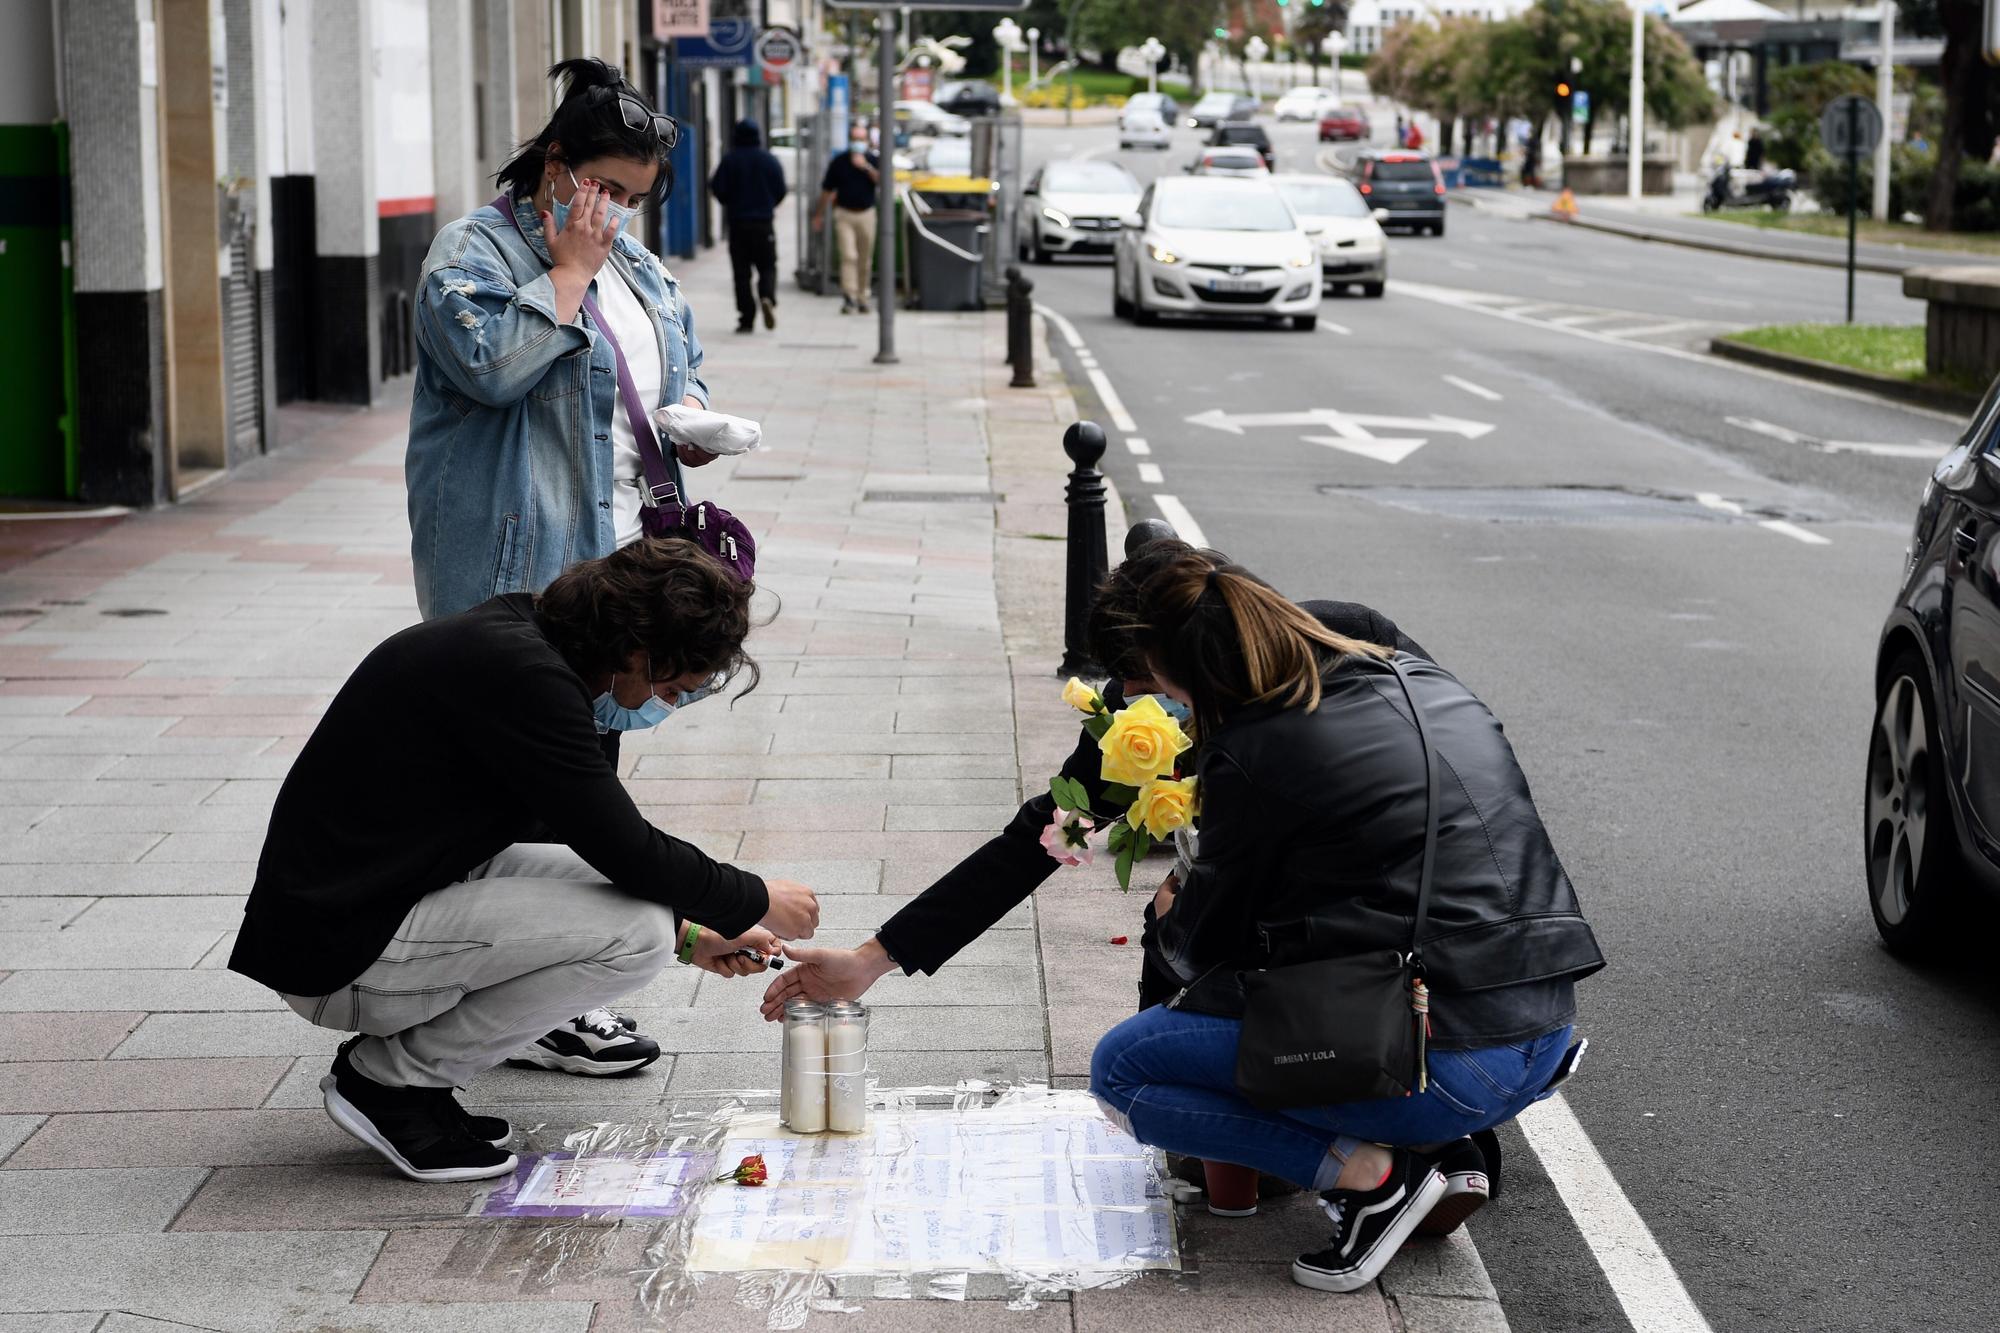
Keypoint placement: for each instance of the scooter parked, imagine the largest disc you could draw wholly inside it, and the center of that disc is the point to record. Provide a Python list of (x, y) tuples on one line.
[(1736, 188)]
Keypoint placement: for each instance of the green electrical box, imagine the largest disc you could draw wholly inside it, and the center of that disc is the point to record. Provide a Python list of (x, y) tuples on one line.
[(37, 342)]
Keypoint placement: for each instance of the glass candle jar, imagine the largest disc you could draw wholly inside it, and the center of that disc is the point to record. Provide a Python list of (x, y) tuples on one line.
[(802, 1073), (847, 1067)]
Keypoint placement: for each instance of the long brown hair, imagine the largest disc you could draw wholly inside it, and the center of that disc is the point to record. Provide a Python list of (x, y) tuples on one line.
[(664, 597), (1218, 631)]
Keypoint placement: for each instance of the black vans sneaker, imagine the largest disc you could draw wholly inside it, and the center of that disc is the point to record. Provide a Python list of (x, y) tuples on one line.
[(411, 1127), (1369, 1226), (600, 1044), (1467, 1187)]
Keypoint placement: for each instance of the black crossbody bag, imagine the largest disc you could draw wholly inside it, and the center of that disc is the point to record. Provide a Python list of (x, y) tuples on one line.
[(1345, 1029)]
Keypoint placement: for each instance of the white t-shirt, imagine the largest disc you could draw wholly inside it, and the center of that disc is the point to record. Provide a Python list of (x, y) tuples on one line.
[(633, 329)]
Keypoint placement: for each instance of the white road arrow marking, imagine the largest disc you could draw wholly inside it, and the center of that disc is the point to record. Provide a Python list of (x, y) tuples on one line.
[(1353, 432), (1369, 446), (1926, 449)]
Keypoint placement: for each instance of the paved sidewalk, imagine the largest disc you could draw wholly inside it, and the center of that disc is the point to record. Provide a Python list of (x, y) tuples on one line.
[(164, 1161)]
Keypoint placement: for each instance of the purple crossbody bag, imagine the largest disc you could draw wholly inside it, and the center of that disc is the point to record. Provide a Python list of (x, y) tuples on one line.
[(664, 510)]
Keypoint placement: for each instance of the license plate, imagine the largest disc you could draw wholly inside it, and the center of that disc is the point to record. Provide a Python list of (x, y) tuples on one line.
[(1234, 285)]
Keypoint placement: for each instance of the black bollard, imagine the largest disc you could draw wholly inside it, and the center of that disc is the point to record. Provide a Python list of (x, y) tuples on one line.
[(1020, 328), (1088, 564), (1147, 531)]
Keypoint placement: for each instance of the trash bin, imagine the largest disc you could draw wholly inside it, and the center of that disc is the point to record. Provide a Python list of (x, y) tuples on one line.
[(951, 247)]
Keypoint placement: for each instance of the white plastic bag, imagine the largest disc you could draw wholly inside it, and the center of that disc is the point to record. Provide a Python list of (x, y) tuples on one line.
[(716, 432)]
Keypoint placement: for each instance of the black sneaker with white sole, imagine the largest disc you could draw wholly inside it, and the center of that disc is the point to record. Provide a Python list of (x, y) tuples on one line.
[(422, 1132), (599, 1044), (1467, 1187), (1369, 1226)]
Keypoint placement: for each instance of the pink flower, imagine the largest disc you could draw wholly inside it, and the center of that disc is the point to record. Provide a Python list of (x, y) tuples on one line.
[(1067, 839)]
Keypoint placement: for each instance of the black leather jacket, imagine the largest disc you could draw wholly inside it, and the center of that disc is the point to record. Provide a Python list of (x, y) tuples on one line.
[(1312, 830)]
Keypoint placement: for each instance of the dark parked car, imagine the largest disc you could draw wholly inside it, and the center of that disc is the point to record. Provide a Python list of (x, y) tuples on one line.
[(1344, 122), (1214, 108), (1406, 185), (1244, 134), (1931, 825), (969, 97)]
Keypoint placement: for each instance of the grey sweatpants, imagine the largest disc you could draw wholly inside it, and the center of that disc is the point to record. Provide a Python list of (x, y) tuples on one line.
[(482, 968)]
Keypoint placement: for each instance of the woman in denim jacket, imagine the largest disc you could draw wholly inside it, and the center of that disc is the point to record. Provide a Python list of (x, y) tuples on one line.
[(521, 460)]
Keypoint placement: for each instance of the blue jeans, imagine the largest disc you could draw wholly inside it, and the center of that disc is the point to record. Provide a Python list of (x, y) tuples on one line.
[(1170, 1076)]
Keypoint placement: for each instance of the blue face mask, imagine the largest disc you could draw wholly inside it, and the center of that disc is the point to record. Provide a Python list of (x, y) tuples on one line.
[(1176, 710), (617, 214), (614, 716)]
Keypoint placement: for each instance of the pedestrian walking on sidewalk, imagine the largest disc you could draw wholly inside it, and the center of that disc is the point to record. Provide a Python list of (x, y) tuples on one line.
[(749, 184), (1315, 781), (394, 898), (521, 459), (848, 187)]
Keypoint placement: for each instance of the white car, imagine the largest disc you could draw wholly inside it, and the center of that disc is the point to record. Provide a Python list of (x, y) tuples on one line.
[(1353, 251), (929, 118), (1074, 207), (1229, 162), (1198, 246), (1142, 128), (1305, 103)]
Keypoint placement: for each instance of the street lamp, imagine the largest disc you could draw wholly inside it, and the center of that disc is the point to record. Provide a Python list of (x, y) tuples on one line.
[(1254, 52), (1034, 56), (1151, 52), (1333, 44), (1007, 36)]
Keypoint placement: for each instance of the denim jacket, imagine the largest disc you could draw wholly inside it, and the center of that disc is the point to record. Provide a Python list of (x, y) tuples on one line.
[(509, 461)]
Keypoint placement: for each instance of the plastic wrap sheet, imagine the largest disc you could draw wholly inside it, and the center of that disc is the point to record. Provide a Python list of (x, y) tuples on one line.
[(949, 1194)]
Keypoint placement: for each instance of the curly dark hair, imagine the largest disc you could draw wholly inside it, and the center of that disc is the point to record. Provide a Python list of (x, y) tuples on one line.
[(664, 597), (588, 124)]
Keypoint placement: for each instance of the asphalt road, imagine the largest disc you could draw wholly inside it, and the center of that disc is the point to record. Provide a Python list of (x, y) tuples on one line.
[(1801, 1121)]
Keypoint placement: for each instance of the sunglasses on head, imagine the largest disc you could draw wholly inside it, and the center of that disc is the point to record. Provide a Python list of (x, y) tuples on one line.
[(637, 116)]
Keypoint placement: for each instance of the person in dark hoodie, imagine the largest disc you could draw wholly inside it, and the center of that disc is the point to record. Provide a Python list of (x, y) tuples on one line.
[(750, 185)]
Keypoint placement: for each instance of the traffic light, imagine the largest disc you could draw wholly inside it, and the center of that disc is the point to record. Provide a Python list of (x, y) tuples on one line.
[(1222, 34), (1562, 90)]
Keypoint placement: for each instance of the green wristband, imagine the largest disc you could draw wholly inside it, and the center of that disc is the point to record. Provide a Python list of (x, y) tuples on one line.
[(686, 952)]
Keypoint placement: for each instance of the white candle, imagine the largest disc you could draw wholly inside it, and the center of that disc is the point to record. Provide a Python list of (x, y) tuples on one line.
[(802, 1098), (847, 1065)]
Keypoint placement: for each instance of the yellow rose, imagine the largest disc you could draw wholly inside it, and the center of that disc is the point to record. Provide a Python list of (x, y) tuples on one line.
[(1163, 806), (1081, 697), (1142, 744)]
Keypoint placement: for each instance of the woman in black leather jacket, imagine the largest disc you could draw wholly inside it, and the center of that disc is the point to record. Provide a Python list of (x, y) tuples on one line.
[(1313, 804)]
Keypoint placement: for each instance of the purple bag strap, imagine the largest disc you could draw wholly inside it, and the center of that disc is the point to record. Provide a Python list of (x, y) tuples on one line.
[(663, 477)]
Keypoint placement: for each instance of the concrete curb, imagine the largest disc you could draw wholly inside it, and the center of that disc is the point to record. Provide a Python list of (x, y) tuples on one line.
[(1827, 372), (1726, 247)]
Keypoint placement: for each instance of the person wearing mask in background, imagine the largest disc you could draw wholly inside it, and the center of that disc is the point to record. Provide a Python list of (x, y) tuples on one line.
[(749, 184), (395, 897), (848, 187), (521, 459)]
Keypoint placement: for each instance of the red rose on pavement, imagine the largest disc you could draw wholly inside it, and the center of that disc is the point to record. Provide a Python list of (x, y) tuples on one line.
[(750, 1171)]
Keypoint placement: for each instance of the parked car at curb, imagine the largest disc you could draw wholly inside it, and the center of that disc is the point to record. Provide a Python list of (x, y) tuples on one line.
[(1931, 809), (1353, 252), (1074, 207), (1405, 185), (1219, 248)]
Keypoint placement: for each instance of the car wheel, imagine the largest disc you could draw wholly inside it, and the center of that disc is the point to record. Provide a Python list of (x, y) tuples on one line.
[(1305, 323), (1437, 228), (1910, 838), (1036, 253), (1372, 289), (1141, 315), (1120, 307)]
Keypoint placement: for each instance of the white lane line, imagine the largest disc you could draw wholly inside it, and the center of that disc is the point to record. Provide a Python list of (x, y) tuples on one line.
[(1135, 445), (1710, 500), (1641, 1276), (1928, 449), (1571, 321), (1183, 522), (1063, 326), (1653, 330), (1113, 404), (1476, 390), (1330, 327), (1475, 302), (1150, 474), (1795, 532)]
